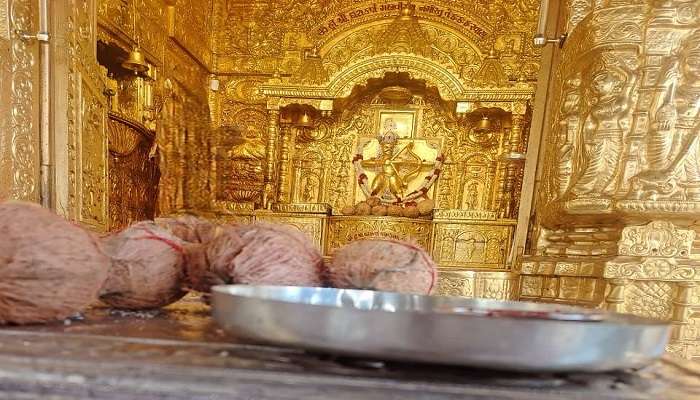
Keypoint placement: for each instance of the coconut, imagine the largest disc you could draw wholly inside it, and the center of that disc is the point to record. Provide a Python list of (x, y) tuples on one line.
[(190, 228), (394, 210), (50, 268), (379, 210), (362, 208), (348, 210), (374, 201), (147, 268), (384, 264), (258, 254), (425, 207), (411, 212)]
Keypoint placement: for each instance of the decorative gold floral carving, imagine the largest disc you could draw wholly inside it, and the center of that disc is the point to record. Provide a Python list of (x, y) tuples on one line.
[(4, 20), (22, 128), (656, 239), (5, 132), (650, 299)]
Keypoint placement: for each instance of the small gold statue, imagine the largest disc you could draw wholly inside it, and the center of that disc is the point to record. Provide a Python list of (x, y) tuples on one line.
[(390, 183)]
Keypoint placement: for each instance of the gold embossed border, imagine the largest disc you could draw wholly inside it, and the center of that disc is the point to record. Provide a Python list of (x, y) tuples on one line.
[(343, 230)]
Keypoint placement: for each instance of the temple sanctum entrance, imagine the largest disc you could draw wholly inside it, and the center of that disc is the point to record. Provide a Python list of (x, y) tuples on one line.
[(564, 169)]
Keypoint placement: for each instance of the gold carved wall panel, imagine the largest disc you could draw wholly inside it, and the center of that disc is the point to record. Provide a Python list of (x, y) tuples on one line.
[(477, 284), (192, 27), (19, 135), (343, 230), (87, 120), (261, 36), (472, 245)]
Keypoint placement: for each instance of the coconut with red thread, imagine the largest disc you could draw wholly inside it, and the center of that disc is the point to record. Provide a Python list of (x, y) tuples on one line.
[(190, 228), (348, 210), (383, 264), (411, 212), (50, 268), (379, 210), (258, 254), (426, 206), (147, 268), (362, 208), (394, 210)]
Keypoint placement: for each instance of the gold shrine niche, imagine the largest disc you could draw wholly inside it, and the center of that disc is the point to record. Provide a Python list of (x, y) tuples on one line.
[(381, 111)]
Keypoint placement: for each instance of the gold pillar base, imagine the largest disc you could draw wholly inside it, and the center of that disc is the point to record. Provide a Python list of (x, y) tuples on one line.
[(655, 274), (497, 285)]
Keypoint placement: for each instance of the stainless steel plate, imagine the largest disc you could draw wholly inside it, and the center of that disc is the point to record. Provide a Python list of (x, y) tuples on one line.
[(446, 330)]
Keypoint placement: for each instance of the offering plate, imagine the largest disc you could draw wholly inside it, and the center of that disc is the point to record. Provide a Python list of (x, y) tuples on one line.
[(516, 336)]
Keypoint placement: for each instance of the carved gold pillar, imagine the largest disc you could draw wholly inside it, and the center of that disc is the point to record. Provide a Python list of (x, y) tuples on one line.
[(622, 159), (271, 182), (514, 147), (283, 192), (681, 308), (616, 297), (19, 101)]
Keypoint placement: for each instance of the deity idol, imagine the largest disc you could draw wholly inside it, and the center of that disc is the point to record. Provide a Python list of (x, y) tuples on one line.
[(609, 89), (388, 177), (567, 127), (672, 141)]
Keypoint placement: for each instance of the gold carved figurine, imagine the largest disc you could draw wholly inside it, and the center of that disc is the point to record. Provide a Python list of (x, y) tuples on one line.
[(391, 181)]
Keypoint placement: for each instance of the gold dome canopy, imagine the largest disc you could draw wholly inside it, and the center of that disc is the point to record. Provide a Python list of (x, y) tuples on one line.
[(404, 35)]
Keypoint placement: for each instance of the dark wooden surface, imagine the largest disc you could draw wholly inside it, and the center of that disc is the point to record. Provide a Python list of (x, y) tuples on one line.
[(179, 353)]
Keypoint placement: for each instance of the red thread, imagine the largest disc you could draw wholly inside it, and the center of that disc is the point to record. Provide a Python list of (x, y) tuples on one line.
[(172, 244)]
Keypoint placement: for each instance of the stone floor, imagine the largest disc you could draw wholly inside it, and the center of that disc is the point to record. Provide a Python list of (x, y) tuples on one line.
[(179, 353)]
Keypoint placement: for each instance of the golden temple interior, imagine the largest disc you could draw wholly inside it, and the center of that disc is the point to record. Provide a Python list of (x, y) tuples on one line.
[(567, 172)]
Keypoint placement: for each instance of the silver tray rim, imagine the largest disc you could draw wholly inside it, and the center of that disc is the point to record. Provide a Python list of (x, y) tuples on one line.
[(251, 292), (530, 345)]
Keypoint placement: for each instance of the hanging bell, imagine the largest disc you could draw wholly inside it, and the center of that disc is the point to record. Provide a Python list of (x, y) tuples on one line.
[(305, 121), (484, 124), (136, 61)]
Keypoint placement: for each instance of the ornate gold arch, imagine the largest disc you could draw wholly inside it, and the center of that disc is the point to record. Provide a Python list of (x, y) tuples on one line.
[(341, 84), (447, 81)]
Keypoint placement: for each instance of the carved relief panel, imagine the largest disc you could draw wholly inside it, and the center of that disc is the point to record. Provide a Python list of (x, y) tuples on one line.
[(476, 246), (621, 137)]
